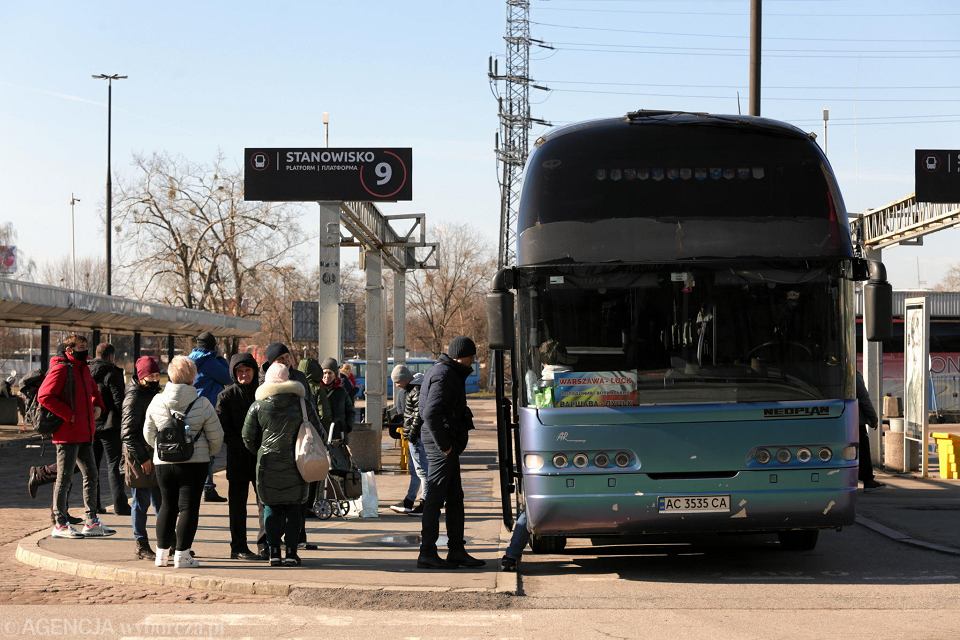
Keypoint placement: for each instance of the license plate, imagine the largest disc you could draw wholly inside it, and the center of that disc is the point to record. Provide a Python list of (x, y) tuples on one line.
[(694, 504)]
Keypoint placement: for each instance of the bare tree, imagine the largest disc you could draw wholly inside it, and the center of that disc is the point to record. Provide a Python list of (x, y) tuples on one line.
[(25, 267), (194, 240), (91, 274), (448, 300), (951, 281)]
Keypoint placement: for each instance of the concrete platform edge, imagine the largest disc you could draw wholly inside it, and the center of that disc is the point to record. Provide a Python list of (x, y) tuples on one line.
[(899, 536)]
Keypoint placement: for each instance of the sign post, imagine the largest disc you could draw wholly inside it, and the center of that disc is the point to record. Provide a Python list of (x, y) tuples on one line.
[(916, 424), (937, 175)]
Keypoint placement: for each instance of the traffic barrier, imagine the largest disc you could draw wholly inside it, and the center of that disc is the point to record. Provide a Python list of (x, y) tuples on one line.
[(948, 446)]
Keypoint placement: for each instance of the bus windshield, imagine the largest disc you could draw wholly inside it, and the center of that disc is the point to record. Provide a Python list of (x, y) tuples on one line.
[(635, 335)]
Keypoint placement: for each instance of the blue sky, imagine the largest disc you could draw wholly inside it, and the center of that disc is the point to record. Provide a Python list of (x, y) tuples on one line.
[(207, 77)]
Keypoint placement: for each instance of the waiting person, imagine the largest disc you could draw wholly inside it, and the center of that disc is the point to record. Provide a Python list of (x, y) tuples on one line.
[(447, 422), (270, 431), (406, 399), (518, 542), (232, 406), (140, 393), (109, 379), (868, 417), (349, 381), (341, 406), (181, 483), (311, 368), (212, 376), (74, 438)]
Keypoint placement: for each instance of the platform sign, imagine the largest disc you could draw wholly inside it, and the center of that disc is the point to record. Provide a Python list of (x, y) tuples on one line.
[(937, 175), (916, 370), (306, 321), (334, 174)]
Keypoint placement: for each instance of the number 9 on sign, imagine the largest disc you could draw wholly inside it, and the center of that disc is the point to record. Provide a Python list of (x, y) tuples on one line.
[(384, 172)]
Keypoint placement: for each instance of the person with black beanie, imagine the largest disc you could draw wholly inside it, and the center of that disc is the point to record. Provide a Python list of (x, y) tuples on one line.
[(232, 405), (447, 422)]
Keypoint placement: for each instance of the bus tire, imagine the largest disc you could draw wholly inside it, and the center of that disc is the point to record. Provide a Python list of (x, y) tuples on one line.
[(802, 540), (547, 544)]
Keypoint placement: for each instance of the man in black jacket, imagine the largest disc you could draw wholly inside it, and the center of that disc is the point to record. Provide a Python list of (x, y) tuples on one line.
[(446, 424), (232, 405), (109, 378)]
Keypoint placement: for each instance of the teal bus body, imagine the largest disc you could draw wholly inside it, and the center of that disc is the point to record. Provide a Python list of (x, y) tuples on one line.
[(683, 335), (677, 450)]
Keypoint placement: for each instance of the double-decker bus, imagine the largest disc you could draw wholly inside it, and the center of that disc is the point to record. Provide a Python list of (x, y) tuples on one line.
[(680, 323)]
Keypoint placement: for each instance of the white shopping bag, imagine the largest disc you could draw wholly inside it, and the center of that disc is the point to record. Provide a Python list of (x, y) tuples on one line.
[(369, 499)]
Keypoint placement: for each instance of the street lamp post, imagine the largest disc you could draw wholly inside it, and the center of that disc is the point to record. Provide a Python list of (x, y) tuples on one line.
[(73, 240), (109, 78), (826, 117)]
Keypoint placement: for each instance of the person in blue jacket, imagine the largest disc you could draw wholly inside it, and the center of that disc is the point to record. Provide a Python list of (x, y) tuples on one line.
[(213, 374)]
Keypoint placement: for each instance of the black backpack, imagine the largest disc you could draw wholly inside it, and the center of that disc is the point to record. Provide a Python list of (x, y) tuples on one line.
[(174, 443), (43, 421)]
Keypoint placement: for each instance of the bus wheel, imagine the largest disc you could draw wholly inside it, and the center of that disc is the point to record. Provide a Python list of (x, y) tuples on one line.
[(547, 544), (804, 540)]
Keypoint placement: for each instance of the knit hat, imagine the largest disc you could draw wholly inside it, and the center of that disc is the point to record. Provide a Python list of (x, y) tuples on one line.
[(461, 347), (401, 374), (275, 350), (277, 373), (330, 363), (207, 341), (145, 366)]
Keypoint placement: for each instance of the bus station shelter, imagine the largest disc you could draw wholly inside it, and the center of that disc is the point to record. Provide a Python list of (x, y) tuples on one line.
[(27, 304)]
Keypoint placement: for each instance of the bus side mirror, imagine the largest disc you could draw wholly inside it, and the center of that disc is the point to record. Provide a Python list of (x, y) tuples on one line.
[(500, 328), (877, 304)]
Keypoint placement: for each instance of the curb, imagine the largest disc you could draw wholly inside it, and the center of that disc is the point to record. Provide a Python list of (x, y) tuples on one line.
[(355, 596), (899, 536)]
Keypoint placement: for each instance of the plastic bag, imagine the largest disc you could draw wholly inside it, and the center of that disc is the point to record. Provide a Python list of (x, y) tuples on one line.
[(313, 461), (369, 499)]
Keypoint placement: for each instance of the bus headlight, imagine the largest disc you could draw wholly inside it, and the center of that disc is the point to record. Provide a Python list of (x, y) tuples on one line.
[(601, 460), (783, 456), (804, 455), (825, 454), (580, 460), (762, 456), (622, 459), (850, 452), (533, 461), (560, 460)]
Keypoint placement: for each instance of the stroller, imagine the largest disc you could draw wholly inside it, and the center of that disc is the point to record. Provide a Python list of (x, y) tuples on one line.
[(342, 484)]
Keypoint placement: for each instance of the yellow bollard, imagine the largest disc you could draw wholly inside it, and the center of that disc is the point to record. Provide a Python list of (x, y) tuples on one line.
[(948, 446), (404, 452)]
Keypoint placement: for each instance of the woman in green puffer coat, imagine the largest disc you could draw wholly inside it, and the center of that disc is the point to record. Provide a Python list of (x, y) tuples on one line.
[(270, 431)]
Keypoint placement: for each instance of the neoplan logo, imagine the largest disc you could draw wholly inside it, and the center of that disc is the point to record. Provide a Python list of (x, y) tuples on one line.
[(796, 412)]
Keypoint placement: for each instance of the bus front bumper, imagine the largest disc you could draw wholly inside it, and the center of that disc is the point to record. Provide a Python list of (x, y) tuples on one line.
[(623, 504)]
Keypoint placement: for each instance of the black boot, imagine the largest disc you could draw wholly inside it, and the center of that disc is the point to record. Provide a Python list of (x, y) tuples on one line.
[(211, 495), (33, 482), (292, 559), (144, 552), (40, 476), (275, 559)]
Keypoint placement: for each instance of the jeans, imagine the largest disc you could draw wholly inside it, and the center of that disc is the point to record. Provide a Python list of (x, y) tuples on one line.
[(181, 486), (418, 470), (444, 489), (519, 539), (108, 442), (138, 510), (68, 456), (283, 520)]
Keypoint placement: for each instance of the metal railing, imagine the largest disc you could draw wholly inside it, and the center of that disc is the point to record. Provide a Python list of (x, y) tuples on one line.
[(903, 221)]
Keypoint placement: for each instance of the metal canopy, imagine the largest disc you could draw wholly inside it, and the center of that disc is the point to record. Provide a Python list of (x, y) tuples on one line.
[(24, 304)]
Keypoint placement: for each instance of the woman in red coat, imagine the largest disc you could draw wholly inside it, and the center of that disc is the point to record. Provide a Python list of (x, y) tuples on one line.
[(74, 438)]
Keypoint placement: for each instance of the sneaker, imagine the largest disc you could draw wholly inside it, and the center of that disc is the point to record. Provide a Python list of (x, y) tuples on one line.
[(872, 484), (417, 510), (399, 508), (185, 560), (307, 546), (73, 520), (33, 482), (508, 564), (94, 529), (65, 531)]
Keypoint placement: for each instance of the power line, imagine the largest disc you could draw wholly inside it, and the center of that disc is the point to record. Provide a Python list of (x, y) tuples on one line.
[(741, 86), (937, 56), (771, 99), (689, 48)]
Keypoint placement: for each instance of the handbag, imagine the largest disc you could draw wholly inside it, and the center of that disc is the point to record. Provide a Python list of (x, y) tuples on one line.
[(313, 461), (135, 476), (46, 422)]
